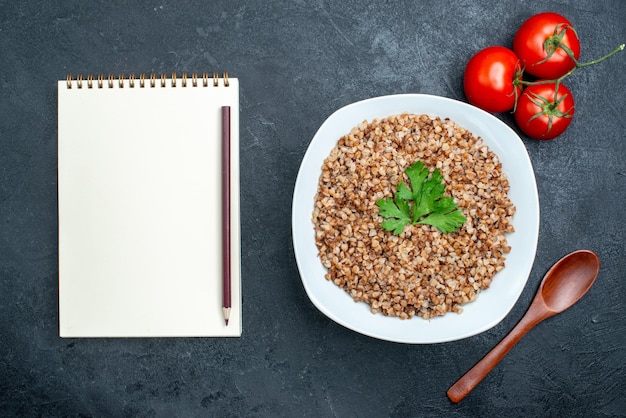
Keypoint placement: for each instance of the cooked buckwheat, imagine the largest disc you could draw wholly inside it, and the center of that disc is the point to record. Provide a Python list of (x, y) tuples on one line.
[(422, 271)]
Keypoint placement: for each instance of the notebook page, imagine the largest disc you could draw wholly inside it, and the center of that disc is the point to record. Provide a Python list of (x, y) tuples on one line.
[(140, 213)]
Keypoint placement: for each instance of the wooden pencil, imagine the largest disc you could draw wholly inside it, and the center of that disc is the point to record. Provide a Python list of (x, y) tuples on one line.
[(226, 276)]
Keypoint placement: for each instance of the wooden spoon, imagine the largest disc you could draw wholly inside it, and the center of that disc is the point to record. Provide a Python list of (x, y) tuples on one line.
[(563, 285)]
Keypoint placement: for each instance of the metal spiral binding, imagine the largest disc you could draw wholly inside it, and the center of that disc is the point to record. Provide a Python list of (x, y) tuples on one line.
[(151, 81)]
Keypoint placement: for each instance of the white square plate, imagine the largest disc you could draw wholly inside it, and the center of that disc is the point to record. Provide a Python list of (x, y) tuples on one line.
[(491, 305)]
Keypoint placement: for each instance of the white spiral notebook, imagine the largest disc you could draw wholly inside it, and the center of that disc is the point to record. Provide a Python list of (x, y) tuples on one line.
[(140, 206)]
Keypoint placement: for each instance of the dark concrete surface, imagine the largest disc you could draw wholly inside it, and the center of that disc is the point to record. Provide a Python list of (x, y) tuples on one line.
[(299, 61)]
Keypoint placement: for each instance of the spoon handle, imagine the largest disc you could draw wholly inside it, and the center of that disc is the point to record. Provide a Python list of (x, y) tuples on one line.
[(476, 374)]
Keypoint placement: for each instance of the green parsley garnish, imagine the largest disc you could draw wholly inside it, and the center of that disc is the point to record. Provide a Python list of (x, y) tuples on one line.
[(422, 203)]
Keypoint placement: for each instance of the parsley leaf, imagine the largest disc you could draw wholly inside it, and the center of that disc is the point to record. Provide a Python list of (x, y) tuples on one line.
[(397, 211), (445, 222), (416, 173), (422, 203)]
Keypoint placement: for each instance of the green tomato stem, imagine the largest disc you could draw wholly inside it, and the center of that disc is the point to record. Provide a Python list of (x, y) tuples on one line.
[(577, 67), (609, 55)]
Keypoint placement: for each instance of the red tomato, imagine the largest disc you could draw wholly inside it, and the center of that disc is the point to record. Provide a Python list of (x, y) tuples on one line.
[(547, 45), (543, 112), (490, 79)]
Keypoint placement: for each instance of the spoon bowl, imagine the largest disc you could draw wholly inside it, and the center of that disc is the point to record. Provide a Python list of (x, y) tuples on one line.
[(562, 286), (569, 279)]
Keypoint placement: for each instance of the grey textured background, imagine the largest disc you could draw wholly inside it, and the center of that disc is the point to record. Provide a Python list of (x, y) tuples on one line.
[(299, 61)]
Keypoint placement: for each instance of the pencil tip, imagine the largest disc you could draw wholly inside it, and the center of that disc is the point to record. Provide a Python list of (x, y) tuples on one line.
[(226, 315)]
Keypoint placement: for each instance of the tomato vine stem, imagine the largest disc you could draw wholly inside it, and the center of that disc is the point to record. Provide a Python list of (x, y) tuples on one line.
[(520, 83), (577, 66)]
